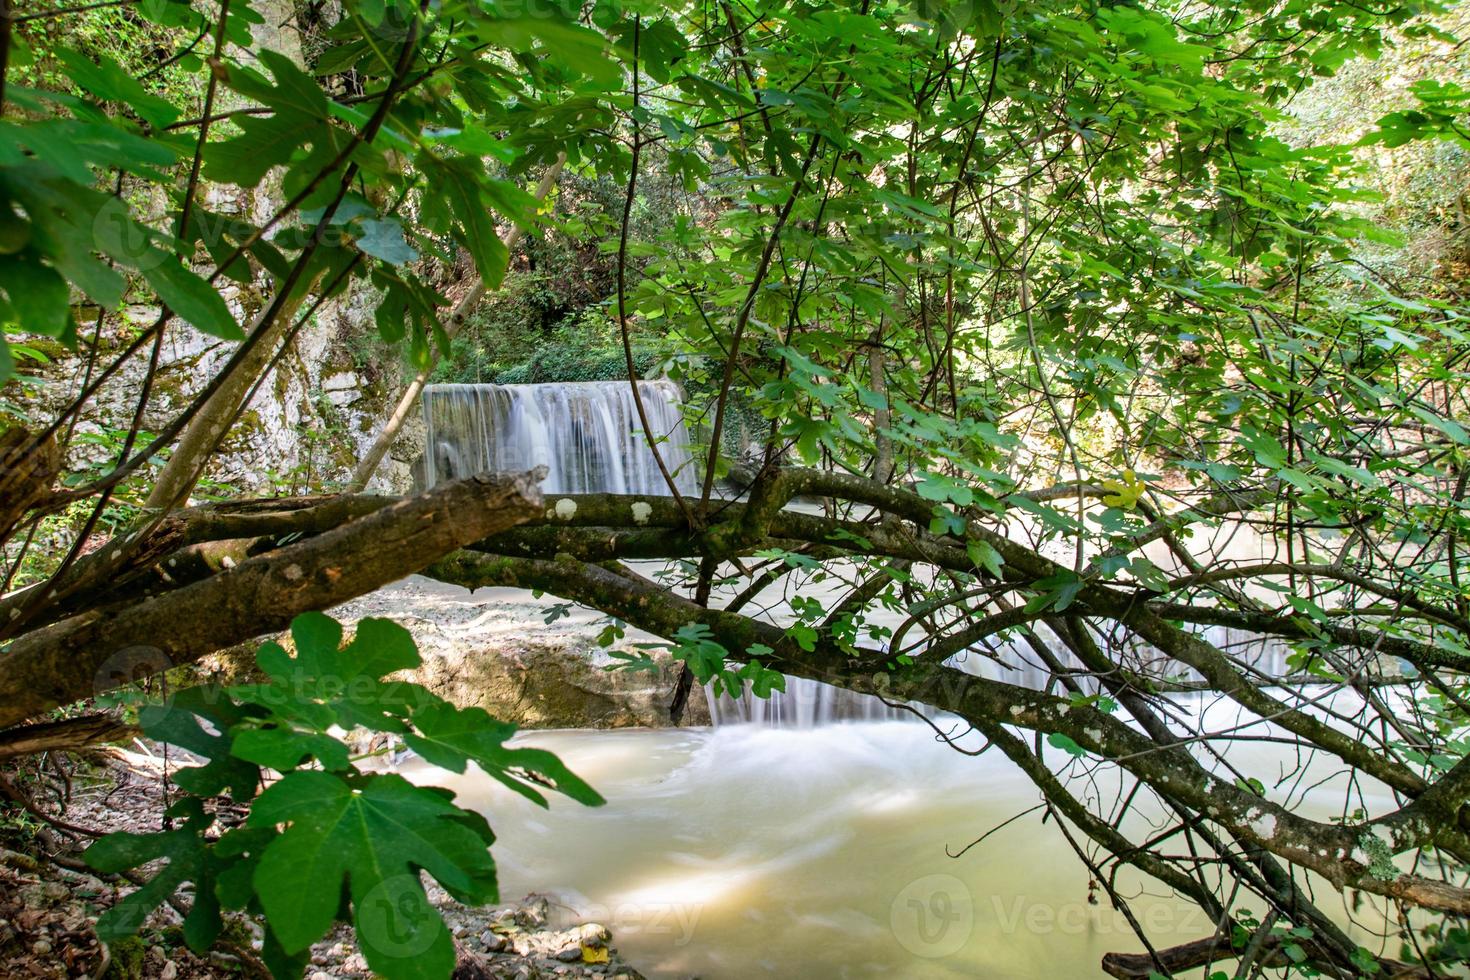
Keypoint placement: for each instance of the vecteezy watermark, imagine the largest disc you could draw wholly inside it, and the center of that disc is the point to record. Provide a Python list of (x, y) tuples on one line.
[(128, 666), (1018, 913), (123, 238), (399, 917), (933, 916), (676, 919)]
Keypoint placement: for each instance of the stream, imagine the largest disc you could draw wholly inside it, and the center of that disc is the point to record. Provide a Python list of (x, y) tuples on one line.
[(747, 851), (810, 836)]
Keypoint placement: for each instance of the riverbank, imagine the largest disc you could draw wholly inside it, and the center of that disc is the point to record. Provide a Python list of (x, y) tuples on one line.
[(49, 901)]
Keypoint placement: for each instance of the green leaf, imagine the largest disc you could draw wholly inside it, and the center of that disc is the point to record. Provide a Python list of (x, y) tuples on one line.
[(1064, 742), (193, 299), (294, 90), (188, 859), (372, 836), (37, 296), (280, 747), (109, 81), (451, 738), (383, 239), (477, 230), (325, 683), (264, 142), (177, 721)]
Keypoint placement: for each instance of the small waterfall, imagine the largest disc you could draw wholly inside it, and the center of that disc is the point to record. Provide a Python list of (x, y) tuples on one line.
[(587, 433), (809, 704), (804, 704)]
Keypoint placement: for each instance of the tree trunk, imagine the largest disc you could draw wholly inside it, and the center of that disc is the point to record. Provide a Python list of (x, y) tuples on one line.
[(103, 649)]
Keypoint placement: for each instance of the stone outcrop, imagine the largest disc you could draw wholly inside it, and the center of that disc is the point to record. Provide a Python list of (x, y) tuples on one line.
[(494, 649)]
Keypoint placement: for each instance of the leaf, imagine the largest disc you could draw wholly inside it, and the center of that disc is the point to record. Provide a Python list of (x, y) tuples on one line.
[(452, 737), (384, 240), (264, 142), (985, 556), (577, 47), (37, 295), (193, 299), (188, 860), (177, 721), (294, 91), (1064, 742), (280, 747), (325, 683), (477, 230), (373, 836), (109, 81), (1124, 493), (1055, 591)]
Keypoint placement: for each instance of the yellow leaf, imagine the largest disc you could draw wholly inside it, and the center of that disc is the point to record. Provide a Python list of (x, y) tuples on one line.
[(1123, 493), (594, 954)]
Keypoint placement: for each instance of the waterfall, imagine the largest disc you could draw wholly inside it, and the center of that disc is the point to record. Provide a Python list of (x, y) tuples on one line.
[(804, 704), (587, 433), (589, 437), (809, 704)]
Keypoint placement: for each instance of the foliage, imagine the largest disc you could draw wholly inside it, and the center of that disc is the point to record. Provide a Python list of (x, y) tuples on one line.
[(328, 838), (1033, 287)]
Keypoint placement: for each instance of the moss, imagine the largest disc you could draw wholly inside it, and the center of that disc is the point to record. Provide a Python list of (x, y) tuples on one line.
[(128, 959), (1380, 858)]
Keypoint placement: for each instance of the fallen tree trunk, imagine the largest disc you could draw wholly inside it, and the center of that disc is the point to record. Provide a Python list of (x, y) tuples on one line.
[(66, 735), (76, 658)]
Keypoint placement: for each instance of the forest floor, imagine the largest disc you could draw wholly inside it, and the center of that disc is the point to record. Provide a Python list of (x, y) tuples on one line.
[(49, 904)]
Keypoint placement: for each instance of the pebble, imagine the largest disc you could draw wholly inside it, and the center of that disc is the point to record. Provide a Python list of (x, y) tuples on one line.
[(321, 975), (493, 941), (571, 954), (169, 972), (41, 947)]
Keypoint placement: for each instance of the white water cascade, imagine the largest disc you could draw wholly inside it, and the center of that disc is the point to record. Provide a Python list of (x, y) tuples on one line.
[(587, 433), (808, 704), (804, 704), (589, 436)]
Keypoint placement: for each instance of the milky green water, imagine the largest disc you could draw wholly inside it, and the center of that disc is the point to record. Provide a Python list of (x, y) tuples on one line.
[(809, 853)]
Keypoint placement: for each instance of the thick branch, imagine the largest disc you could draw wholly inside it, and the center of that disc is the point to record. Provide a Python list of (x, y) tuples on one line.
[(70, 660), (68, 734)]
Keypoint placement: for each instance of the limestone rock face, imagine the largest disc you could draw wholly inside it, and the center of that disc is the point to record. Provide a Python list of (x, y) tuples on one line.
[(493, 649), (555, 685)]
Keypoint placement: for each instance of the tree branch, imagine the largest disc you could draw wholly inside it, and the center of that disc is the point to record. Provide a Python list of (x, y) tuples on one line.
[(70, 660)]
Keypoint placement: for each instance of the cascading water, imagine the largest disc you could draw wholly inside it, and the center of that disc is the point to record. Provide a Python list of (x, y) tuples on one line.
[(807, 703), (589, 436), (804, 704), (587, 433)]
